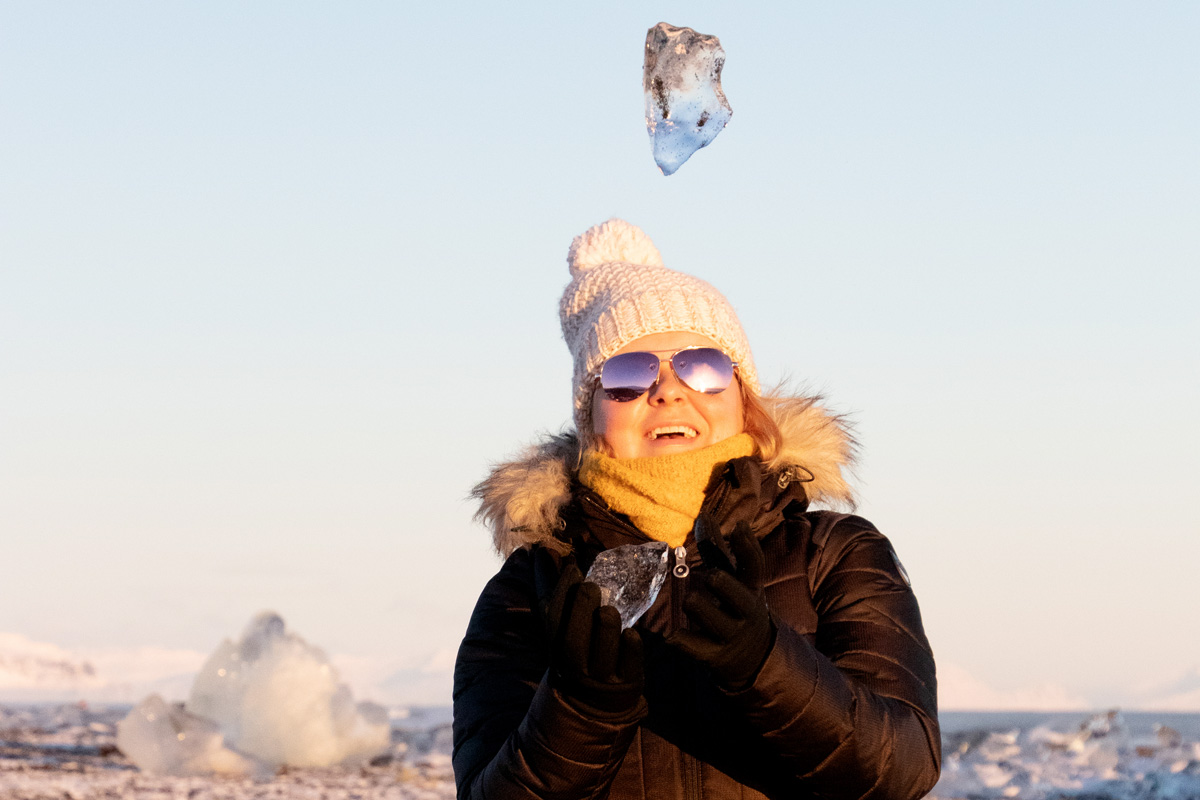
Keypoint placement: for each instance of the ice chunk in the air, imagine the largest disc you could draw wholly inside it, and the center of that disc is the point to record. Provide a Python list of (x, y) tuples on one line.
[(630, 578), (685, 107), (164, 739), (269, 698)]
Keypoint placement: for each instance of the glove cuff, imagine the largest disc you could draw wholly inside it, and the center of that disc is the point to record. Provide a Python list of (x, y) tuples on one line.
[(608, 702)]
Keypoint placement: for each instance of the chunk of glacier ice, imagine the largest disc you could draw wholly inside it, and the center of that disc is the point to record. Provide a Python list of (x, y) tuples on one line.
[(269, 698), (165, 739), (630, 578), (278, 698), (685, 106)]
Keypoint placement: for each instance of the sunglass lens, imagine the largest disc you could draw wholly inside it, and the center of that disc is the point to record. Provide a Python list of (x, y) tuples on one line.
[(703, 369), (628, 376)]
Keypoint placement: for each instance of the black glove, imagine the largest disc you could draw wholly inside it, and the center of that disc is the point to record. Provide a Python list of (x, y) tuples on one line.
[(593, 663), (731, 630)]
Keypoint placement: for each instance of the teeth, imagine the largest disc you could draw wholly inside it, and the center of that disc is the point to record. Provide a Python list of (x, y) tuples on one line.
[(688, 433)]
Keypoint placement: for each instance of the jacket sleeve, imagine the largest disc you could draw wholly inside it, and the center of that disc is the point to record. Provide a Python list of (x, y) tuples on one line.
[(855, 713), (515, 736)]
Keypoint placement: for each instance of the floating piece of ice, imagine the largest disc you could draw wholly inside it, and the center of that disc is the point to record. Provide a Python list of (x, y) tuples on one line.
[(630, 578), (685, 107), (269, 698)]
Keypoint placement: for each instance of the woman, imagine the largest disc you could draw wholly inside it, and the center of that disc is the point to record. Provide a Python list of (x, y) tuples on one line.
[(783, 657)]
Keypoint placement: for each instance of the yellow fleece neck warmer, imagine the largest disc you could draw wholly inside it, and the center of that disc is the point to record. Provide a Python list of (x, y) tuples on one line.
[(661, 495)]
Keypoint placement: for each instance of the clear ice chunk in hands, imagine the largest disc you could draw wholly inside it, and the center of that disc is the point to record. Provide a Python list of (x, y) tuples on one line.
[(685, 106), (630, 578)]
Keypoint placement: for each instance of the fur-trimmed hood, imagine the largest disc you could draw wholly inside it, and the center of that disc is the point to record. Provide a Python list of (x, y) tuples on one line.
[(521, 501)]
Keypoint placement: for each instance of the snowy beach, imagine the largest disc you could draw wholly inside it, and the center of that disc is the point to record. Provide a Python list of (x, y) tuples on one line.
[(68, 751)]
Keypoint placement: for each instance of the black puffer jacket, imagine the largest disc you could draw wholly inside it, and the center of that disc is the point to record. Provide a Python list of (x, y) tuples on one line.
[(843, 707)]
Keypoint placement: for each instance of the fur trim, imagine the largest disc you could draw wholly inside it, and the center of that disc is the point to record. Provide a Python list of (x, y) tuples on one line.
[(521, 500), (815, 441)]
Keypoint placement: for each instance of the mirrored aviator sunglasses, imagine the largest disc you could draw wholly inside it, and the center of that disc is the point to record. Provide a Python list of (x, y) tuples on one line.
[(628, 376)]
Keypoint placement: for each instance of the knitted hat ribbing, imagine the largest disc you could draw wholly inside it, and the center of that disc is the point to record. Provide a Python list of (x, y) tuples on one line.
[(620, 291)]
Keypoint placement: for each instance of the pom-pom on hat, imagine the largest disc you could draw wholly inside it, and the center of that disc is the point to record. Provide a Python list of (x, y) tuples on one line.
[(620, 291)]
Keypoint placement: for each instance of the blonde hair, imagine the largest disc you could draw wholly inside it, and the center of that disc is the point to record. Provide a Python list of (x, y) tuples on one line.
[(759, 422)]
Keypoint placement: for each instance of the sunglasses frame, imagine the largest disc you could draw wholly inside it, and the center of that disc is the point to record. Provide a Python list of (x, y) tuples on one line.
[(598, 375)]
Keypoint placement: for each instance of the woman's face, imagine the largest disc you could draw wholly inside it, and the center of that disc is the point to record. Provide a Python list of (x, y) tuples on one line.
[(636, 429)]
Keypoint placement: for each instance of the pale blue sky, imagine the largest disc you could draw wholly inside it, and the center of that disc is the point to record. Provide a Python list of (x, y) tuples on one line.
[(278, 281)]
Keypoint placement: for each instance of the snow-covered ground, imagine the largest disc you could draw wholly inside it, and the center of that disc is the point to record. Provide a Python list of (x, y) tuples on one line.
[(68, 751), (67, 748)]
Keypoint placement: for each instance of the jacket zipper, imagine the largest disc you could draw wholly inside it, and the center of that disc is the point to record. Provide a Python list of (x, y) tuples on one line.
[(679, 571), (681, 568), (689, 766)]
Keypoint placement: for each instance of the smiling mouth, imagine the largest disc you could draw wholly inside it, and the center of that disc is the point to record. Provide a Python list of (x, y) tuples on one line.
[(672, 432)]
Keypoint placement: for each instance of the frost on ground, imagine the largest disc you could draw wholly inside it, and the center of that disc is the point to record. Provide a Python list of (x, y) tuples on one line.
[(1100, 760), (70, 752)]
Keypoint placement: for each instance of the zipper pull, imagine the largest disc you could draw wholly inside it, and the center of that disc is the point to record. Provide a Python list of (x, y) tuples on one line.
[(681, 568)]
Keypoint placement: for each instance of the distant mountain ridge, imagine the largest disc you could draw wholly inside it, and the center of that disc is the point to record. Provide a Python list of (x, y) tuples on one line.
[(26, 664), (33, 671)]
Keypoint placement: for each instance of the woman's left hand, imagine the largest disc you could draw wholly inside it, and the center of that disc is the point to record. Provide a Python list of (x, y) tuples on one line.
[(731, 629)]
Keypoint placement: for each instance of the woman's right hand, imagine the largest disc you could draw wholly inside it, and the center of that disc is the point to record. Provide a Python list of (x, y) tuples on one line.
[(593, 663)]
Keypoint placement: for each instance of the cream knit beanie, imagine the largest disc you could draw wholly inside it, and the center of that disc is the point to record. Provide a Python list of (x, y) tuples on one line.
[(620, 291)]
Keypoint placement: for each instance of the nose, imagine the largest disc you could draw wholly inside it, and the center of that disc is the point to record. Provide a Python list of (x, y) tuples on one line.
[(667, 389)]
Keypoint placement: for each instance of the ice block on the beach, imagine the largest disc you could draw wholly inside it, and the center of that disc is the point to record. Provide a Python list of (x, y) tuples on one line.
[(278, 698), (266, 699), (164, 739)]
